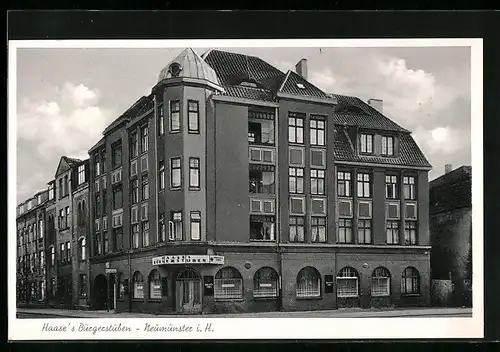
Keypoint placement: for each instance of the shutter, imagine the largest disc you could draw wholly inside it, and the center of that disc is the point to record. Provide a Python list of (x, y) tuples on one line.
[(364, 210), (255, 205), (345, 208), (318, 206)]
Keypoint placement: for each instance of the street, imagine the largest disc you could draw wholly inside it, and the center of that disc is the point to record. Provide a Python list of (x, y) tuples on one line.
[(340, 313)]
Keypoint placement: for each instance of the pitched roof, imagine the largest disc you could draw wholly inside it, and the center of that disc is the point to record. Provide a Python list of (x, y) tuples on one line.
[(461, 173), (410, 154), (352, 111), (141, 106), (248, 93), (451, 191), (296, 85)]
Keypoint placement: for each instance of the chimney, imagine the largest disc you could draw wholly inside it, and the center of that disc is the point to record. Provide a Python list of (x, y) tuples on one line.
[(301, 68), (377, 104), (447, 168)]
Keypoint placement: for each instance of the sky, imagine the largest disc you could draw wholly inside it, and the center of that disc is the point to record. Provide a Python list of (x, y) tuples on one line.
[(67, 97)]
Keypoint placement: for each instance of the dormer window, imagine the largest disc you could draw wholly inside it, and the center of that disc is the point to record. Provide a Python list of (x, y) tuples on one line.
[(301, 86), (175, 69), (366, 143), (249, 84), (388, 145)]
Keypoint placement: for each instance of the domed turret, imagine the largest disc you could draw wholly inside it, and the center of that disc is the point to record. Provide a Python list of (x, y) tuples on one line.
[(188, 64)]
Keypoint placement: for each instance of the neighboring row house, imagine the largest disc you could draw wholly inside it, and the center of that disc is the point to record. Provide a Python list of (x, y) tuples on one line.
[(236, 187)]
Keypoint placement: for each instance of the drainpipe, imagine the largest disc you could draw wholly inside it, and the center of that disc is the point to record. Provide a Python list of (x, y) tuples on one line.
[(155, 124), (129, 281), (278, 222)]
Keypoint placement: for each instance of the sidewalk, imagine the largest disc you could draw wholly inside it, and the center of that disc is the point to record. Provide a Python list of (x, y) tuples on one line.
[(340, 313)]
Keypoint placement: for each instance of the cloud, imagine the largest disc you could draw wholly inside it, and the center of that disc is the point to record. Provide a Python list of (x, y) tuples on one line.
[(80, 94)]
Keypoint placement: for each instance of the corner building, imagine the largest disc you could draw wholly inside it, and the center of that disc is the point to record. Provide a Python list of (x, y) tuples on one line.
[(234, 187)]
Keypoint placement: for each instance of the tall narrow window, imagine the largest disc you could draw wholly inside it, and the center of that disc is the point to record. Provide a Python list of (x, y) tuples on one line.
[(175, 118), (409, 187), (410, 281), (135, 191), (366, 143), (82, 250), (194, 172), (391, 187), (392, 229), (175, 173), (344, 184), (97, 166), (66, 218), (136, 236), (68, 251), (134, 145), (161, 175), (118, 239), (364, 185), (345, 231), (51, 191), (97, 244), (66, 185), (145, 187), (317, 131), (193, 116), (154, 285), (317, 181), (138, 286), (52, 256), (195, 225), (162, 229), (318, 229), (387, 145), (81, 174), (61, 188), (145, 233), (364, 231), (144, 138), (104, 203), (296, 128), (104, 163), (296, 229), (161, 120), (117, 197), (106, 242), (296, 180), (410, 232), (116, 155), (176, 226)]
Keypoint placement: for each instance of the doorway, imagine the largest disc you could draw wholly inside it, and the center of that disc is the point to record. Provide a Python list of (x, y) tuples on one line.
[(100, 292), (188, 288), (112, 291)]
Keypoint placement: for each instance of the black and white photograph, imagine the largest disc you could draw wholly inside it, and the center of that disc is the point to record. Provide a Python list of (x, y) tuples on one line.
[(182, 189)]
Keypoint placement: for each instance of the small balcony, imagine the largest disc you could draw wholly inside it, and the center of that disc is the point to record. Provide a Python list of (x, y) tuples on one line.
[(261, 182), (261, 132)]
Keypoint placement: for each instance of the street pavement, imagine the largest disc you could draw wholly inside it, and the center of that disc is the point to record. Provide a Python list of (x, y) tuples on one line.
[(27, 313)]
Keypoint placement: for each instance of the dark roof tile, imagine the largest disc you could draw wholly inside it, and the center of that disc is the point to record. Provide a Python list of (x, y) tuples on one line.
[(291, 86), (248, 93)]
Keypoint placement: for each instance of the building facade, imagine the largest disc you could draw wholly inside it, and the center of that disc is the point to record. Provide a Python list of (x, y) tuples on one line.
[(235, 187), (451, 232)]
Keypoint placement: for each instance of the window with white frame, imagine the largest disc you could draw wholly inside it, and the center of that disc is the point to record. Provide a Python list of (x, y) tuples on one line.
[(364, 185), (366, 143), (381, 282), (136, 236), (318, 229), (154, 284), (265, 283), (392, 231), (410, 232), (176, 233), (194, 172), (175, 118), (364, 231), (193, 116), (138, 286), (51, 191), (228, 284), (387, 145), (161, 121), (296, 229), (161, 175), (391, 187), (175, 173), (81, 174), (308, 283), (296, 127), (409, 188), (344, 184), (295, 180), (195, 225), (345, 231), (317, 131), (82, 249), (410, 281), (347, 283), (317, 181)]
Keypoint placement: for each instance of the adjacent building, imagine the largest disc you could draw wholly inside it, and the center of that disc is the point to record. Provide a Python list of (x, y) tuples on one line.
[(451, 232), (235, 187)]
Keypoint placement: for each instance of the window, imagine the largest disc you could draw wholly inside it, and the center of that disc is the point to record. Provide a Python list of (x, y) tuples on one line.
[(97, 166), (344, 184), (410, 281), (345, 231), (262, 228), (40, 228), (134, 145), (81, 174), (381, 282), (61, 188), (175, 119), (364, 231), (83, 285), (347, 283), (265, 283), (51, 191), (104, 165), (162, 229), (154, 285), (66, 185), (296, 229), (118, 239), (176, 226), (97, 244), (391, 186), (52, 256), (194, 172), (195, 225), (308, 283), (138, 286), (261, 182), (296, 180), (175, 173), (135, 191), (392, 230), (296, 128), (144, 139), (106, 242), (66, 217), (68, 252), (116, 155), (318, 229), (136, 236), (260, 131), (145, 187), (161, 175), (145, 233), (364, 185), (82, 250), (193, 117), (117, 197), (317, 131), (409, 187), (228, 284), (410, 232), (161, 120), (104, 204), (317, 181), (366, 141), (387, 145)]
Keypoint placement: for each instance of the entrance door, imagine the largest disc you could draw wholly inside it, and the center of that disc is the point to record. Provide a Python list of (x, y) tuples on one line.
[(188, 288), (100, 292), (112, 291)]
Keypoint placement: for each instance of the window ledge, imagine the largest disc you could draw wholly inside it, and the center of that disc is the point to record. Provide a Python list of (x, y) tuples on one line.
[(308, 298), (229, 300), (175, 131), (195, 188), (176, 188), (154, 300), (137, 300), (265, 298), (410, 294)]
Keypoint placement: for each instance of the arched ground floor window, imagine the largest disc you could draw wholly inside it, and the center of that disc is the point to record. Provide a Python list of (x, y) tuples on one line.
[(381, 282), (228, 284), (347, 283), (154, 285), (138, 285), (265, 283), (410, 281), (308, 283)]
